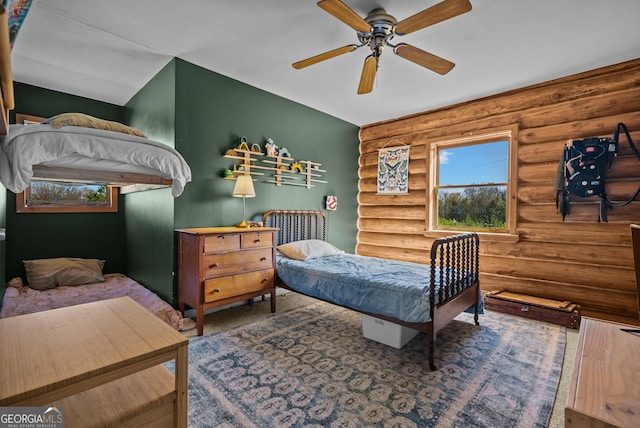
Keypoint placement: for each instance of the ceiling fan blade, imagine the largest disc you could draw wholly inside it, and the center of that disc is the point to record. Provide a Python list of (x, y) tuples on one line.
[(368, 75), (437, 13), (324, 56), (425, 59), (345, 14)]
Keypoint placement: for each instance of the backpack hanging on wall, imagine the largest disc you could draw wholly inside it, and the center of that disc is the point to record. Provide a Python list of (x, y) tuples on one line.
[(582, 169)]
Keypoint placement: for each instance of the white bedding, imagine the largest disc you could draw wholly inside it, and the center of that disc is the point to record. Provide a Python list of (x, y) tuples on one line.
[(29, 145)]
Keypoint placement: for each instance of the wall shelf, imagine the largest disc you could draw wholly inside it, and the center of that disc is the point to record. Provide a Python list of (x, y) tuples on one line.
[(254, 163)]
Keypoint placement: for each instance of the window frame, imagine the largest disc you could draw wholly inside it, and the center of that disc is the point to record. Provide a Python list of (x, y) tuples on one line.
[(23, 204), (508, 133)]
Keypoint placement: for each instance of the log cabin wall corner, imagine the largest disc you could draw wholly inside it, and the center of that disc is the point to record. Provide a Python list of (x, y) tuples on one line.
[(581, 260)]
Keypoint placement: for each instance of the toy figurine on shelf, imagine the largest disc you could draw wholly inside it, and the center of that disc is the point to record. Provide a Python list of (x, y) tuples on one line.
[(271, 148), (283, 152)]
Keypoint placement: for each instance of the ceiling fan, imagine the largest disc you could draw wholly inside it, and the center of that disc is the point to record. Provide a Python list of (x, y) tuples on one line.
[(377, 30)]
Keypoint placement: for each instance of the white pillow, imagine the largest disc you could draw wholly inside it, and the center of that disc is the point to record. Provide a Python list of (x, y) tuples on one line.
[(308, 249)]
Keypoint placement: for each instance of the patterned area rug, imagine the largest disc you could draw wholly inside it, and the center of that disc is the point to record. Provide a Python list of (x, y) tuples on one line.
[(312, 367)]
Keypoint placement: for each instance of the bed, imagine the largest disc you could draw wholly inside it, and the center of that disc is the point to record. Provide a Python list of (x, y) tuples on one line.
[(75, 147), (87, 154), (21, 299), (422, 297)]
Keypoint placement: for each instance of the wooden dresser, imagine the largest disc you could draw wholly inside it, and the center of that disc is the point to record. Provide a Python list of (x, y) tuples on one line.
[(605, 385), (222, 265), (100, 362)]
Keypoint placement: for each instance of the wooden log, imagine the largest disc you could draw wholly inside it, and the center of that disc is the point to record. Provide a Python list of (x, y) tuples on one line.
[(583, 273), (415, 227), (620, 256), (415, 212), (591, 233), (412, 198)]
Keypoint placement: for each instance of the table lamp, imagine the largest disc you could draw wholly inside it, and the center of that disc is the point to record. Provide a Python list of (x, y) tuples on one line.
[(244, 189)]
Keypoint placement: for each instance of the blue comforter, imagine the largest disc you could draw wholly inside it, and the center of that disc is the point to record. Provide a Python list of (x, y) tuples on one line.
[(387, 287)]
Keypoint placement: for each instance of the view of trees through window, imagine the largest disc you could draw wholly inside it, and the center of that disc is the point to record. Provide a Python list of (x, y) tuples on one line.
[(477, 208), (472, 186), (59, 194)]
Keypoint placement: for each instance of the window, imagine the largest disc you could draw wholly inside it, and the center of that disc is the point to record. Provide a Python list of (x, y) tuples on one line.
[(51, 197), (44, 196), (472, 184)]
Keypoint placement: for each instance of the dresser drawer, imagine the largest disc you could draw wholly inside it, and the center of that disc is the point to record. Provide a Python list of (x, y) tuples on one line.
[(221, 242), (257, 240), (239, 261), (236, 285)]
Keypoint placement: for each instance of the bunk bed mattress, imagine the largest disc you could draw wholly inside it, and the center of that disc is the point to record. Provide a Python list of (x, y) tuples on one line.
[(367, 284), (26, 146), (25, 300)]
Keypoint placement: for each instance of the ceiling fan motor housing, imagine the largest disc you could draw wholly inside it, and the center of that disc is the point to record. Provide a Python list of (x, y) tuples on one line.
[(382, 26)]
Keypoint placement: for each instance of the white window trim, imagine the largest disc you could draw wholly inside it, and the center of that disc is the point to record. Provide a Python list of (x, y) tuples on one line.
[(510, 133)]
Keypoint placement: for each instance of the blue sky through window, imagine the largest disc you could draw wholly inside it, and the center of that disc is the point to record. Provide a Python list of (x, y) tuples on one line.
[(474, 164)]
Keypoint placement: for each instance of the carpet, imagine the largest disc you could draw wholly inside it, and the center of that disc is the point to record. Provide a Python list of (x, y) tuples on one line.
[(312, 367)]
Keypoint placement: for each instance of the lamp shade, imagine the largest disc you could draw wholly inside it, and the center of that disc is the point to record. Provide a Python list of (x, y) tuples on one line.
[(244, 187)]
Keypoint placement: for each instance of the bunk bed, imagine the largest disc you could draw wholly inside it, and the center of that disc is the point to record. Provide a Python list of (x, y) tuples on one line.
[(77, 148), (424, 297), (85, 149)]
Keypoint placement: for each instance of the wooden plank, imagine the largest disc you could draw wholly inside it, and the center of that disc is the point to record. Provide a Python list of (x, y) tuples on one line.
[(526, 306), (116, 402), (604, 391), (106, 177)]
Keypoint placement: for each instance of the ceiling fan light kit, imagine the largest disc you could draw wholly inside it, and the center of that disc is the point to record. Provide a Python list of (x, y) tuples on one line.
[(377, 30)]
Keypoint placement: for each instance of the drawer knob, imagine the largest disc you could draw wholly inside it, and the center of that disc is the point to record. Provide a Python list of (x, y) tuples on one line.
[(214, 265), (257, 240), (263, 259), (216, 290), (264, 280)]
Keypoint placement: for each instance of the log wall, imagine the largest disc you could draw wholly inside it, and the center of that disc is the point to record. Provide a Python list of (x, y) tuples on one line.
[(579, 259)]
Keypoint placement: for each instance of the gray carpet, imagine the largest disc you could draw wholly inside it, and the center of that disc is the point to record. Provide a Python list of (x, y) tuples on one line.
[(311, 365)]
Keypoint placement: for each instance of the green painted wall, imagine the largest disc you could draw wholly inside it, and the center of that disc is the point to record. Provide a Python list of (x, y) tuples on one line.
[(213, 112), (149, 215), (46, 103), (40, 235)]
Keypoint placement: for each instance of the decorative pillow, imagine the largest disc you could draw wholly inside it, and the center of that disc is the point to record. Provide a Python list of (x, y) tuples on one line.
[(49, 273), (80, 119), (308, 249)]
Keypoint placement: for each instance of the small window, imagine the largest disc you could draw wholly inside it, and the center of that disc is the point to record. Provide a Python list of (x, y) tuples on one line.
[(54, 197), (51, 197), (472, 184)]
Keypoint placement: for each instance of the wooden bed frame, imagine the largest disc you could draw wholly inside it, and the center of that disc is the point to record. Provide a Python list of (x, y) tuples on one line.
[(457, 254)]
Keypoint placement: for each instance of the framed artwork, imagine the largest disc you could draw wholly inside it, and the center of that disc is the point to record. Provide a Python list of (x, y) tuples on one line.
[(393, 170)]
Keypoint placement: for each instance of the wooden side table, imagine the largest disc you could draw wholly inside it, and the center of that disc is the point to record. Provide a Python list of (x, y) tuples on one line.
[(605, 385), (222, 265), (102, 362)]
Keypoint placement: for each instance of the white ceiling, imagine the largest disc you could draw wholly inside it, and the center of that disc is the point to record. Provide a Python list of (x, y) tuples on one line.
[(108, 50)]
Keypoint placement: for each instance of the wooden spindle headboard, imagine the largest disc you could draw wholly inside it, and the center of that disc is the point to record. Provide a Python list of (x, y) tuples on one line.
[(297, 225)]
